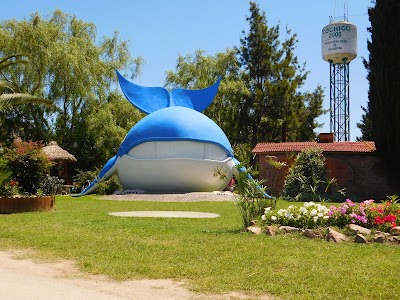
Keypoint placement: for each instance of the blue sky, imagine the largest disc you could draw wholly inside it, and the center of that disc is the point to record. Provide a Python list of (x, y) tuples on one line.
[(160, 30)]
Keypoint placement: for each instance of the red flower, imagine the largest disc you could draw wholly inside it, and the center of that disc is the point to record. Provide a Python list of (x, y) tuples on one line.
[(378, 220), (13, 182), (390, 218)]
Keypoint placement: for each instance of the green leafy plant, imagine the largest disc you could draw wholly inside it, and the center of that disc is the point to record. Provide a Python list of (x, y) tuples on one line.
[(250, 194), (251, 198), (109, 187), (83, 178)]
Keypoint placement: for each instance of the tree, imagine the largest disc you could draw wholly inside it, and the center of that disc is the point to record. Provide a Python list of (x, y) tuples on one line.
[(383, 111), (259, 98), (274, 110), (365, 126), (120, 116), (71, 68)]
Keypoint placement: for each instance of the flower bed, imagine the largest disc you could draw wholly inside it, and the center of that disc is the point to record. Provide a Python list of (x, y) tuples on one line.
[(382, 217), (9, 205)]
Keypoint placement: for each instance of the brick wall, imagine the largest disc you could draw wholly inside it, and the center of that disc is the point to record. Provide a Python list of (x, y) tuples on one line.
[(362, 175)]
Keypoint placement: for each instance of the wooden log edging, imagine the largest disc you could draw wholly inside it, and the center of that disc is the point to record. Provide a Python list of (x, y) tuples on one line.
[(9, 205)]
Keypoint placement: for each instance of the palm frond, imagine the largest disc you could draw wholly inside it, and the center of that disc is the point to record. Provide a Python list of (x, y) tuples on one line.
[(9, 60), (11, 100), (5, 84)]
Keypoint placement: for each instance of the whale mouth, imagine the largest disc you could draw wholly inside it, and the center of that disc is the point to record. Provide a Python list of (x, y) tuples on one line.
[(178, 150)]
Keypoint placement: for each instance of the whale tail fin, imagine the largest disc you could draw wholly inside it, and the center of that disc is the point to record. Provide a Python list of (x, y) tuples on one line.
[(108, 170), (151, 99)]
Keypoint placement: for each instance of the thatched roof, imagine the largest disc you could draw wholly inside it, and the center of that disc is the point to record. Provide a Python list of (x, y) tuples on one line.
[(56, 153)]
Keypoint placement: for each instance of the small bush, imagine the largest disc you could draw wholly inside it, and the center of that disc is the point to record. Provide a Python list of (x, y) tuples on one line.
[(28, 164)]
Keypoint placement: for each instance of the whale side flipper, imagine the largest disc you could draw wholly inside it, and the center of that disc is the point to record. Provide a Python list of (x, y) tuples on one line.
[(108, 170)]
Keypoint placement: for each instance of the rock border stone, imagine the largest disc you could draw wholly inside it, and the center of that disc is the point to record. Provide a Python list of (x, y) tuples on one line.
[(362, 234)]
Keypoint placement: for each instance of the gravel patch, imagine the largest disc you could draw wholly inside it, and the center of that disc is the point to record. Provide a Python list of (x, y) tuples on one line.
[(179, 197)]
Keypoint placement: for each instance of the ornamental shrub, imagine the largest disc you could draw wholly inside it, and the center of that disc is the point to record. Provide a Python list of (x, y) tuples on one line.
[(307, 177), (28, 164), (7, 185)]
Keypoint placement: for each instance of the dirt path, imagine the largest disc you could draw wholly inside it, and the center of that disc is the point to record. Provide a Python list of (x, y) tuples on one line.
[(23, 279)]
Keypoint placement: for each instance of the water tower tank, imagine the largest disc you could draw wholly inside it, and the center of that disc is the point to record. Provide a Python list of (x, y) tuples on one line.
[(339, 42)]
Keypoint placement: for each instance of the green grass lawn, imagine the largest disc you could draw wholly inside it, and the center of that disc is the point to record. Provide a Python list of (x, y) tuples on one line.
[(213, 255)]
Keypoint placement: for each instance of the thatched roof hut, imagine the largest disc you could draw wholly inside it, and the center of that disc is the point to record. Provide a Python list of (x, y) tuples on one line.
[(57, 154), (61, 157)]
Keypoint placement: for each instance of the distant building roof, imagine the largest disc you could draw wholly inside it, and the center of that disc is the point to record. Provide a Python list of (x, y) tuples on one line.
[(358, 147)]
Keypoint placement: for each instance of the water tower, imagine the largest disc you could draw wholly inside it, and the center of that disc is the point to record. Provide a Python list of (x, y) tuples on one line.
[(339, 48)]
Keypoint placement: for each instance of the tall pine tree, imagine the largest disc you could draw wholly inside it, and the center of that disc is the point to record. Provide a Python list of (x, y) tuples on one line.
[(383, 112), (274, 110)]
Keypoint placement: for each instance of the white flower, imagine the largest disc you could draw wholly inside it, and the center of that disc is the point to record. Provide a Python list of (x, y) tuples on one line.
[(326, 217), (322, 208), (303, 210), (263, 217), (281, 212), (273, 218), (315, 219), (308, 204), (288, 215), (267, 210), (313, 212), (320, 214)]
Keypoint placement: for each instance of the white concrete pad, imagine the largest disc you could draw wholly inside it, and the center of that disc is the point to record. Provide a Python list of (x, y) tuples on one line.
[(164, 214)]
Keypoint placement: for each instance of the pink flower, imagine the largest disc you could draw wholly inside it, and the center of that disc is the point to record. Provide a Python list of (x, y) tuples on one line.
[(343, 209), (362, 219), (367, 202), (350, 203)]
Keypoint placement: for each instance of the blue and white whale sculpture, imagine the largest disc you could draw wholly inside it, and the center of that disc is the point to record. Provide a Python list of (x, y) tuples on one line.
[(175, 148)]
